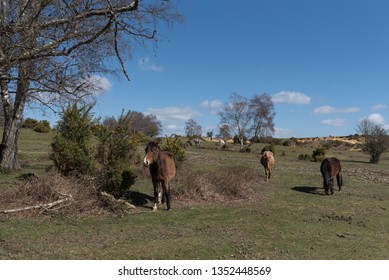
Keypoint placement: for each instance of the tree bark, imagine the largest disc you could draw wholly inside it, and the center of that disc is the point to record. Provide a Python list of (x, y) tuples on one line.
[(13, 116)]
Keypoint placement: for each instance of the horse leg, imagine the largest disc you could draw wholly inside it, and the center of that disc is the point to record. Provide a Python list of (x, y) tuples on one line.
[(325, 186), (167, 194), (266, 174), (332, 185), (157, 195), (339, 180)]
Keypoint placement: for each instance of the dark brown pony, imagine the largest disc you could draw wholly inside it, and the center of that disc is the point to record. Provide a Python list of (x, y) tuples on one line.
[(329, 168), (162, 170)]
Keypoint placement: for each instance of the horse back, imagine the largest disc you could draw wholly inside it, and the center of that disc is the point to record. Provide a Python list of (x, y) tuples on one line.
[(267, 159), (167, 168), (330, 167)]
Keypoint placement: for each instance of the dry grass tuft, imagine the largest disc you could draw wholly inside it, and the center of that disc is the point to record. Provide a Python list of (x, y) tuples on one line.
[(223, 186)]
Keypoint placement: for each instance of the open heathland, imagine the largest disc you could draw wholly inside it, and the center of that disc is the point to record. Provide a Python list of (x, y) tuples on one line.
[(222, 209)]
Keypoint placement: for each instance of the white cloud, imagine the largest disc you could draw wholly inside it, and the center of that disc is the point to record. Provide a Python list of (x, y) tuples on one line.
[(376, 118), (100, 84), (145, 64), (291, 97), (334, 122), (173, 118), (348, 110), (325, 110), (214, 105), (379, 107), (284, 133)]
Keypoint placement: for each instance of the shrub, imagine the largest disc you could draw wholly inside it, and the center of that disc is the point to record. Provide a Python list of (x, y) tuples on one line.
[(30, 123), (318, 154), (270, 148), (305, 157), (115, 150), (42, 127), (175, 146), (72, 151)]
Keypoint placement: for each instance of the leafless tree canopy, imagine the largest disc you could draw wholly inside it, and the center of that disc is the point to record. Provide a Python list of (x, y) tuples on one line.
[(246, 117), (70, 40), (192, 128), (51, 51)]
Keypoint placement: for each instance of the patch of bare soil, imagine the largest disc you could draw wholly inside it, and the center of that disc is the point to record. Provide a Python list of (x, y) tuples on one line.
[(368, 175)]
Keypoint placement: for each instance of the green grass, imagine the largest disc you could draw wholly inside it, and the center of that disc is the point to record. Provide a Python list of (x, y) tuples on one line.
[(292, 220)]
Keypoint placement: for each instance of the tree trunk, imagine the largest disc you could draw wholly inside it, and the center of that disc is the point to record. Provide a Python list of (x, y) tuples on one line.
[(13, 116)]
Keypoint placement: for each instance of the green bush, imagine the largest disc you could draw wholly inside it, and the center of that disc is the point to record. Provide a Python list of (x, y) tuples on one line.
[(270, 148), (305, 157), (72, 151), (30, 123), (175, 146), (115, 150), (42, 127), (318, 154)]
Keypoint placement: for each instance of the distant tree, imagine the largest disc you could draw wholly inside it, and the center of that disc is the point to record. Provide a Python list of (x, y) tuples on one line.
[(262, 112), (376, 139), (237, 116), (192, 129), (210, 134), (149, 125), (224, 132)]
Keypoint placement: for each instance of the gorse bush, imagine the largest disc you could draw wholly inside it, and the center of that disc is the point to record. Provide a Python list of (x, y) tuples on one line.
[(72, 151), (318, 154), (115, 150), (174, 145), (42, 127)]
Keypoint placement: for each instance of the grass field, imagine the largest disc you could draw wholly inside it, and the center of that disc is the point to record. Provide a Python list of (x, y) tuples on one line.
[(291, 218)]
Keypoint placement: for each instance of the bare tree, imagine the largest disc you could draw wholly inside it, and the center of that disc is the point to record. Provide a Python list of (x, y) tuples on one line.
[(376, 139), (192, 128), (237, 116), (51, 49), (224, 132), (149, 125), (262, 110)]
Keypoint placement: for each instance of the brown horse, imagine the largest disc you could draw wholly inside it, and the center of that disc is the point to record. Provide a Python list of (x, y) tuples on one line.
[(329, 168), (267, 160), (162, 170)]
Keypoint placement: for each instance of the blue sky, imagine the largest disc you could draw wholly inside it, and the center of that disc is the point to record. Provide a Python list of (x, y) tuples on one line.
[(324, 62)]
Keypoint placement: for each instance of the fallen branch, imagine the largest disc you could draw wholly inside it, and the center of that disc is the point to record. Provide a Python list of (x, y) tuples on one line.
[(45, 206), (116, 203)]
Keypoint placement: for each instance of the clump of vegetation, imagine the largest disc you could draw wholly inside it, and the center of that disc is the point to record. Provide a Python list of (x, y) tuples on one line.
[(42, 127), (38, 126), (174, 145), (271, 148), (305, 157), (115, 150), (72, 150), (318, 154), (376, 139), (226, 185)]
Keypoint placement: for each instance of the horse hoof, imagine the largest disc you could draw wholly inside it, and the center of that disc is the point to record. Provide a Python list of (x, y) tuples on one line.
[(169, 209)]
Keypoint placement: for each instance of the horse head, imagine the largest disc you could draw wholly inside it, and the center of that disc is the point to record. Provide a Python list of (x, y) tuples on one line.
[(152, 152)]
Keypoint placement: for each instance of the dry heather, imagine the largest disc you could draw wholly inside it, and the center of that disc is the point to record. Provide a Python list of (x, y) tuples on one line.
[(222, 186), (53, 194)]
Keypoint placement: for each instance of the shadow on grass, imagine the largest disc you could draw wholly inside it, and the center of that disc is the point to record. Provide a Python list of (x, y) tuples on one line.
[(308, 190), (140, 199)]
